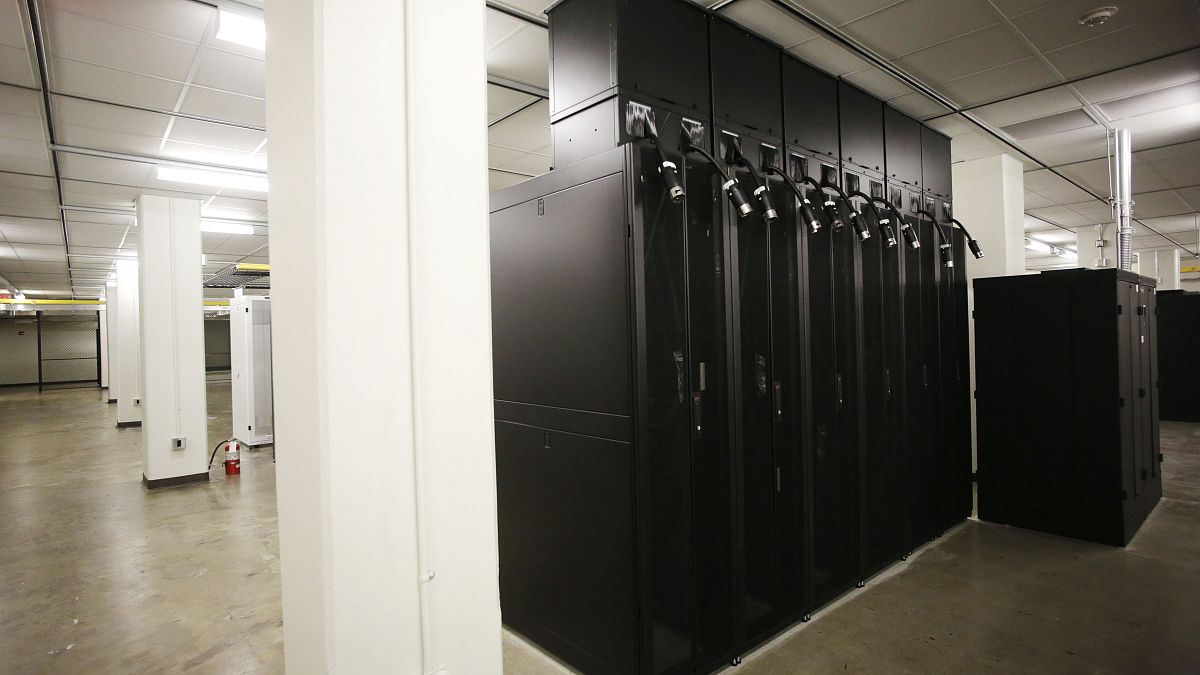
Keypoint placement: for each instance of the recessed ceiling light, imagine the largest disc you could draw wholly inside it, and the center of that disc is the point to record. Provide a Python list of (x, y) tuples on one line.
[(1097, 16), (247, 31)]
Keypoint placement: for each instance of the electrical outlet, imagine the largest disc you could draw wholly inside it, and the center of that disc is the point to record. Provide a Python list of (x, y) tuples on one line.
[(178, 443), (137, 401)]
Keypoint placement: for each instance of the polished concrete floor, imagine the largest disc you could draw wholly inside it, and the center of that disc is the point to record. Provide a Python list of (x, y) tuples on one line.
[(99, 576)]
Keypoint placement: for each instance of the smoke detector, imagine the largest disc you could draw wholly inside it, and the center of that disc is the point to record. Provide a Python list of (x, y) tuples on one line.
[(1097, 16)]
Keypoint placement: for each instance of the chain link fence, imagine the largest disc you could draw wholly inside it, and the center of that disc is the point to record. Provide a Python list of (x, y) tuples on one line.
[(68, 348)]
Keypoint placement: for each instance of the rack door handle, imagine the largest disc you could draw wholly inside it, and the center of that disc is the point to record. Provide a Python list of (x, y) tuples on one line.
[(697, 415), (777, 399)]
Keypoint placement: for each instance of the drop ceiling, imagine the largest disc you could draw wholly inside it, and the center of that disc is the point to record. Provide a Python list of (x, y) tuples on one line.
[(137, 83)]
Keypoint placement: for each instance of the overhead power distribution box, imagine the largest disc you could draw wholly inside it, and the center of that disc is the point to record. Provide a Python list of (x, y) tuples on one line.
[(250, 366), (861, 117), (935, 162), (902, 144), (810, 117), (1069, 444)]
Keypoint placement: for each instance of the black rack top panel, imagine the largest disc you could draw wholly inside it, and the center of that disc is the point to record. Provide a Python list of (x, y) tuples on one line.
[(902, 147), (861, 116), (745, 79), (810, 117)]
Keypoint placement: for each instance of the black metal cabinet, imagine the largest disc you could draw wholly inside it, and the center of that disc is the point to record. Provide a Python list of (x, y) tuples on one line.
[(1178, 324), (810, 109), (1070, 447)]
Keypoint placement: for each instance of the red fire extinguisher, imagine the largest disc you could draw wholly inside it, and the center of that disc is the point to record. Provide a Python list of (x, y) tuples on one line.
[(233, 460)]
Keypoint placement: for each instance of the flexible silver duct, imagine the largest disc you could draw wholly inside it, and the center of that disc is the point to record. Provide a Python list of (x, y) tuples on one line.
[(1123, 203)]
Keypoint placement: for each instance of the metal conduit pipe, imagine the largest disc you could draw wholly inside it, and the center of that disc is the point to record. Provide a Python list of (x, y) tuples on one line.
[(1123, 204)]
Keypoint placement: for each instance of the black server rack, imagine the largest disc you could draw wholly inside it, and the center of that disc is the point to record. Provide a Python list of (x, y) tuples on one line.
[(1178, 328), (703, 344), (1068, 446)]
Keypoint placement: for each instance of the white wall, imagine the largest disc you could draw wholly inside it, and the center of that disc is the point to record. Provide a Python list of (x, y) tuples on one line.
[(18, 350)]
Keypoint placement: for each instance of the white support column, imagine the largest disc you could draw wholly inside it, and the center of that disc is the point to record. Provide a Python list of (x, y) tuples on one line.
[(386, 468), (110, 302), (175, 427), (989, 198), (103, 316), (129, 339), (1167, 264)]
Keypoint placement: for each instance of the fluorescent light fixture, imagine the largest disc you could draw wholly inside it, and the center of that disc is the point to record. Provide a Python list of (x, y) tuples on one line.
[(127, 253), (221, 179), (19, 297), (1038, 246), (224, 227), (203, 260), (247, 31)]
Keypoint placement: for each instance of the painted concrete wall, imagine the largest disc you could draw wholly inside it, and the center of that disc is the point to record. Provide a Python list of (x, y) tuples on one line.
[(18, 345)]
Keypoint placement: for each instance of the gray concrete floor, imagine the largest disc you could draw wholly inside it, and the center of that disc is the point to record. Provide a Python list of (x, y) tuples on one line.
[(97, 575)]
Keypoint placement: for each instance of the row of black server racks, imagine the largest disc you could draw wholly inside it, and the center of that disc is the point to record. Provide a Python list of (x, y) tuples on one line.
[(709, 423)]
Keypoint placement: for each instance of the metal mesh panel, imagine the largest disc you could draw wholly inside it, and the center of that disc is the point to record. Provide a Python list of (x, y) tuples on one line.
[(67, 347)]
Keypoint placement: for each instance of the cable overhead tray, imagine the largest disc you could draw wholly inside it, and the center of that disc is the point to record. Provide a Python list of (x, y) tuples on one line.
[(241, 275)]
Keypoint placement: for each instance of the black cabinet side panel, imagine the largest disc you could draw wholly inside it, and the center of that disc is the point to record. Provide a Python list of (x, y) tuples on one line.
[(565, 524), (935, 162), (560, 317), (663, 52), (582, 58)]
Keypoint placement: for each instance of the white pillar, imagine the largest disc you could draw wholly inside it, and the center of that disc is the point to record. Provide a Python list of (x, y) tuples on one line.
[(1167, 263), (110, 303), (386, 469), (989, 198), (102, 315), (129, 356), (175, 423)]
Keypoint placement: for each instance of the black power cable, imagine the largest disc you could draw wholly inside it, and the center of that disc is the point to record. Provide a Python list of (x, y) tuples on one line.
[(829, 206), (730, 185), (947, 253), (855, 220), (885, 229), (806, 209), (906, 228), (972, 243), (666, 167), (762, 190)]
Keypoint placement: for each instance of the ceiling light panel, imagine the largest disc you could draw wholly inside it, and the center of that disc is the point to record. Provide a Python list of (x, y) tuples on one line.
[(242, 29), (221, 179)]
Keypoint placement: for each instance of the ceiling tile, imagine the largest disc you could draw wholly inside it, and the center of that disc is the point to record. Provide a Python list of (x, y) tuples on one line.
[(1014, 78), (1054, 188), (30, 230), (231, 72), (519, 136), (1067, 147), (906, 27), (1148, 102), (220, 105), (825, 54), (840, 12), (1191, 195), (503, 101), (988, 47), (234, 138), (25, 128), (1156, 74), (524, 55), (1035, 201), (39, 252), (100, 139), (81, 38), (107, 84), (1056, 25), (1156, 37), (770, 21), (1060, 215), (1012, 8), (1051, 124), (1028, 107), (16, 67), (181, 20), (878, 83), (103, 170), (528, 163), (1158, 204)]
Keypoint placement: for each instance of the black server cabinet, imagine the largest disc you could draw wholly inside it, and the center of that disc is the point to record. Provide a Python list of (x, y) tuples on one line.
[(1178, 358), (766, 340), (1069, 447), (612, 441), (880, 330)]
